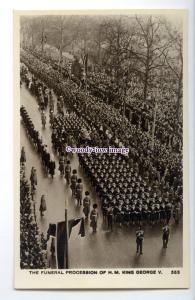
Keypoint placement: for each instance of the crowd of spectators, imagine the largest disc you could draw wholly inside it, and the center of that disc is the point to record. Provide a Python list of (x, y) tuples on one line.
[(32, 243)]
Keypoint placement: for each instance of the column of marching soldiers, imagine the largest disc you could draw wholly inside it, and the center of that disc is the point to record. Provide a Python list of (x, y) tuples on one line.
[(50, 166), (121, 211)]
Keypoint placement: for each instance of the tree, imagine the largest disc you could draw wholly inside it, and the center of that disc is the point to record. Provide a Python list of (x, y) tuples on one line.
[(85, 40), (174, 62), (43, 27), (34, 30), (61, 36), (118, 41), (150, 50)]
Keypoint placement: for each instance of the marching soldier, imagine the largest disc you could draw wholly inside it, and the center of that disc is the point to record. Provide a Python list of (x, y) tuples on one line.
[(52, 166), (86, 205), (145, 213), (133, 216), (94, 218), (119, 215), (168, 209), (79, 191), (61, 165), (139, 240), (162, 213), (177, 212), (152, 215), (126, 212), (43, 119), (73, 182), (165, 236), (105, 208), (33, 178), (68, 172), (110, 217), (51, 117), (23, 156), (139, 215), (51, 101)]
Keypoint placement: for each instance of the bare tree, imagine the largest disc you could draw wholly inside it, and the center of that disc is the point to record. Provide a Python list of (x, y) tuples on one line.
[(43, 29), (61, 35), (34, 30), (117, 39), (150, 50), (174, 61), (31, 27)]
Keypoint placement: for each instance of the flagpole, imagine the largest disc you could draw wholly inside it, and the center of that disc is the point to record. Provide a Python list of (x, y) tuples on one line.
[(67, 236)]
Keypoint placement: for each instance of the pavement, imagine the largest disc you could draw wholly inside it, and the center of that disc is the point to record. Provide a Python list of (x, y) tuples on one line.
[(104, 249)]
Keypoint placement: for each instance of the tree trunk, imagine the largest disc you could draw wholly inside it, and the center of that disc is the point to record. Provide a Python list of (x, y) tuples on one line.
[(146, 86), (154, 124), (146, 77), (179, 94)]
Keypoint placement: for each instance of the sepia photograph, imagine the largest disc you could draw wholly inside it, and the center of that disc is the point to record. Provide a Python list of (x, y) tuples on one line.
[(100, 108)]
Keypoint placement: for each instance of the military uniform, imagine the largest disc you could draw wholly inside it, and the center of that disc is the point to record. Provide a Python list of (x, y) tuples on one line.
[(110, 217), (67, 174), (86, 206), (139, 240), (165, 236)]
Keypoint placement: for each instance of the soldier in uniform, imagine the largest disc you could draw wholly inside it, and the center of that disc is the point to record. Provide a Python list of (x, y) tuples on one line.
[(165, 236), (86, 205), (162, 213), (51, 118), (157, 213), (152, 214), (133, 214), (52, 166), (94, 218), (168, 209), (61, 165), (177, 212), (139, 240), (23, 156), (79, 191), (139, 214), (73, 180), (33, 178), (126, 212), (68, 172), (43, 119), (110, 217), (105, 206), (51, 101), (119, 215), (145, 213)]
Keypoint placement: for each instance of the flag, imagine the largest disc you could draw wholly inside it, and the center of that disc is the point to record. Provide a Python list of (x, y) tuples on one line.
[(72, 223), (61, 244), (51, 231), (60, 232)]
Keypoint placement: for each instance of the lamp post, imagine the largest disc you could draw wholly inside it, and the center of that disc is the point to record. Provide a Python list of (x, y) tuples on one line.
[(67, 236)]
